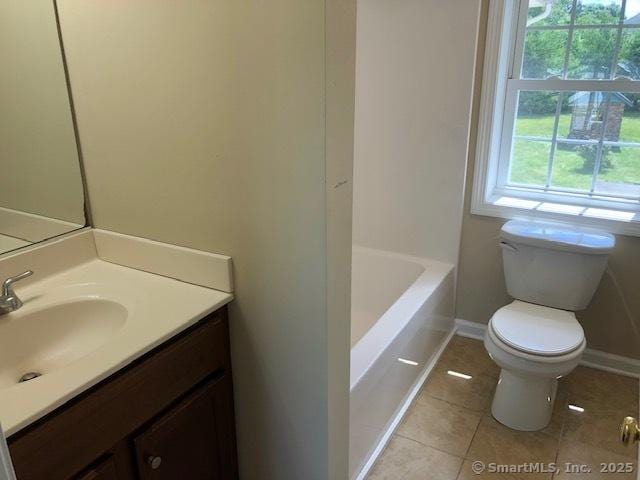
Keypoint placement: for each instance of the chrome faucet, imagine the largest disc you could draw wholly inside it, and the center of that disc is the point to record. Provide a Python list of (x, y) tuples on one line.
[(9, 301)]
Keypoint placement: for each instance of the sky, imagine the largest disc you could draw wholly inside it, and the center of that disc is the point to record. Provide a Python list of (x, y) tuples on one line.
[(633, 8)]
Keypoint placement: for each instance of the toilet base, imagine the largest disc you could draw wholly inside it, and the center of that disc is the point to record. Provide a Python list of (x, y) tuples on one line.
[(524, 402)]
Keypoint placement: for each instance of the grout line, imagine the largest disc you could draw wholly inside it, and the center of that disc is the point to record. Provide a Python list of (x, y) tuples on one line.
[(480, 413), (449, 403), (428, 446), (462, 459), (561, 434), (460, 469), (473, 437)]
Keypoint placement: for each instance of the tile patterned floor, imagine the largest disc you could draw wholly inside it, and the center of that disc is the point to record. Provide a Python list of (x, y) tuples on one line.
[(449, 426)]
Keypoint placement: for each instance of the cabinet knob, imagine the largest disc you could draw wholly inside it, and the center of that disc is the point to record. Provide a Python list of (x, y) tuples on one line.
[(154, 462)]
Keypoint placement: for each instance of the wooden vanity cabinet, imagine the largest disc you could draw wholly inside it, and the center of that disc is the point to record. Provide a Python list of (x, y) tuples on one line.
[(202, 417), (169, 415), (104, 470)]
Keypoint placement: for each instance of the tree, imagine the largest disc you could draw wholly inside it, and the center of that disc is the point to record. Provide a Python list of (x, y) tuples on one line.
[(545, 49), (629, 63), (592, 49)]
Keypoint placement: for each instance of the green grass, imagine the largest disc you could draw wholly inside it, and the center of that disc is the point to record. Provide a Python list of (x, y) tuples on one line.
[(530, 158)]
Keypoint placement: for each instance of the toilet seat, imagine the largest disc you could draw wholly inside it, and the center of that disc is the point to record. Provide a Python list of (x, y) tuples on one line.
[(537, 330)]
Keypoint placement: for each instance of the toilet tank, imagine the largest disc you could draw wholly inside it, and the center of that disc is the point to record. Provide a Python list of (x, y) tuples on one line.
[(553, 265)]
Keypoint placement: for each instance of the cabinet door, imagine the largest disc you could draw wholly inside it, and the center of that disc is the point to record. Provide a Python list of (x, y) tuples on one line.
[(105, 470), (194, 440)]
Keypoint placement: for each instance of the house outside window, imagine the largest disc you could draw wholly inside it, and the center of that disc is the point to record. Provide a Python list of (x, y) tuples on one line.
[(559, 132)]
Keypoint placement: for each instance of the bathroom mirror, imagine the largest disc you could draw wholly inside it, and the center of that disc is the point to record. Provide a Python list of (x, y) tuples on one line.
[(41, 188)]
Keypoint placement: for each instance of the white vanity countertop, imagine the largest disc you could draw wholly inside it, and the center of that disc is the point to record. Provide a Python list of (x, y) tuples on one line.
[(157, 308)]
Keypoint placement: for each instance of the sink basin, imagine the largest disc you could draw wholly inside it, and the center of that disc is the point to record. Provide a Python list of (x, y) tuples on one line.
[(48, 339)]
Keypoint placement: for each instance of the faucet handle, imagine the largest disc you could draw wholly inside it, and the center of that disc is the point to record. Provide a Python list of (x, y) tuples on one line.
[(7, 285)]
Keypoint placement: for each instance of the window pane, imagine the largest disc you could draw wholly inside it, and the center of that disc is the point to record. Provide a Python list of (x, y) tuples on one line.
[(629, 58), (586, 118), (566, 116), (544, 52), (535, 120), (529, 162), (598, 12), (592, 53), (536, 114), (582, 116), (579, 111), (570, 167), (619, 172), (628, 109), (549, 12)]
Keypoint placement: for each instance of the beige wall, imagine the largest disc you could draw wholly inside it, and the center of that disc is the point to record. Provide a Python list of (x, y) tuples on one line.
[(203, 124), (39, 168), (413, 95), (481, 289)]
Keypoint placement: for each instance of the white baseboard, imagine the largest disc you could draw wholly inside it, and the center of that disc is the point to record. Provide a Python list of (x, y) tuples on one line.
[(608, 362), (465, 328), (384, 440), (611, 362)]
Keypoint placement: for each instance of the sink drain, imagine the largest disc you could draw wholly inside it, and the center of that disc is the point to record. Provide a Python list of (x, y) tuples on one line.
[(29, 376)]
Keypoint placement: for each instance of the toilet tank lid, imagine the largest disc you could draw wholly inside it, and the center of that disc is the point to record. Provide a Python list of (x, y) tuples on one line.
[(558, 237)]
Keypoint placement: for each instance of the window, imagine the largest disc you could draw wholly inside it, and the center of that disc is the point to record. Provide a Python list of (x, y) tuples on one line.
[(559, 127)]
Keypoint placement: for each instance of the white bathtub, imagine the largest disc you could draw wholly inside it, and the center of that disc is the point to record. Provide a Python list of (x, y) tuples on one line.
[(401, 316)]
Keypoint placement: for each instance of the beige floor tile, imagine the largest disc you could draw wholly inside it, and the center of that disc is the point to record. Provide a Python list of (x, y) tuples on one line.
[(589, 387), (598, 428), (581, 455), (495, 443), (453, 415), (469, 356), (405, 459), (474, 393), (440, 424)]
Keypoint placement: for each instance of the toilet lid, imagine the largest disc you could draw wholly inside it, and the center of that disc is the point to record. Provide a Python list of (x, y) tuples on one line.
[(536, 329)]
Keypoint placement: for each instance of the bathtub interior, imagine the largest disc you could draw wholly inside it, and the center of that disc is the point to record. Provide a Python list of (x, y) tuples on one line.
[(418, 301), (377, 281)]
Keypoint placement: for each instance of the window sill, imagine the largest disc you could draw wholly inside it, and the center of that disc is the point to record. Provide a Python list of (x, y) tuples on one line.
[(614, 221)]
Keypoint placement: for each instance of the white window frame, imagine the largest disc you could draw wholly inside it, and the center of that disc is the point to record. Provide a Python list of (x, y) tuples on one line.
[(495, 129)]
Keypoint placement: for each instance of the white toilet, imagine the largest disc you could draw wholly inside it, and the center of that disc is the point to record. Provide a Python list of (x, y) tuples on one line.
[(551, 271)]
